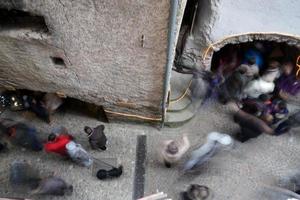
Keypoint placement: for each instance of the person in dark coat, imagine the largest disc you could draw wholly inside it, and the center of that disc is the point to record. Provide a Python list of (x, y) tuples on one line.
[(251, 126), (22, 174), (23, 135), (257, 106), (2, 146), (232, 88), (37, 107), (96, 137)]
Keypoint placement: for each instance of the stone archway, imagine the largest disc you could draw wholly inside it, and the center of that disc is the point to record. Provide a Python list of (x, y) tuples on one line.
[(207, 53)]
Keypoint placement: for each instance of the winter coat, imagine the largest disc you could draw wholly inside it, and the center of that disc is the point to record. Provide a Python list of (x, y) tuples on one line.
[(78, 154), (97, 138), (207, 150), (257, 87), (263, 85), (246, 120), (25, 136), (58, 146)]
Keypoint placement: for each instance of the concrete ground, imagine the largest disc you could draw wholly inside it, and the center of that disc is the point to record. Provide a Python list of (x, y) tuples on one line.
[(120, 148), (234, 174)]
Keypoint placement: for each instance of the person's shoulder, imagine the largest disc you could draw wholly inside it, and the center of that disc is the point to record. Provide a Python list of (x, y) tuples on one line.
[(100, 127)]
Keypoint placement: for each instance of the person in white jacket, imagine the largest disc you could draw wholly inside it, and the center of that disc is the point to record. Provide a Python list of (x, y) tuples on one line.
[(78, 154), (171, 151), (208, 150), (265, 84)]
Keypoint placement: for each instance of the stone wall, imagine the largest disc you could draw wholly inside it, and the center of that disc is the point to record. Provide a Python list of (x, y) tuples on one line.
[(113, 52)]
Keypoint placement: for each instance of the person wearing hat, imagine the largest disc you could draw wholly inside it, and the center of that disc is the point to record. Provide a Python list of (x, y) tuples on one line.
[(171, 151), (97, 138), (196, 192)]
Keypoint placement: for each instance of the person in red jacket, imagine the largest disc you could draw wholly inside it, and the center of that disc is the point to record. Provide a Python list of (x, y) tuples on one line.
[(57, 144)]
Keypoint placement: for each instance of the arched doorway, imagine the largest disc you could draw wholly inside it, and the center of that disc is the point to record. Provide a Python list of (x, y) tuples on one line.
[(273, 46)]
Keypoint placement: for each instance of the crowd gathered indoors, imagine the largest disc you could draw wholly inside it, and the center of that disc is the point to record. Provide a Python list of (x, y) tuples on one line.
[(258, 81)]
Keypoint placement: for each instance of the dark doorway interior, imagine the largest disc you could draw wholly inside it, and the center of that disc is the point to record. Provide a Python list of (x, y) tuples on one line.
[(42, 104), (233, 55), (17, 19)]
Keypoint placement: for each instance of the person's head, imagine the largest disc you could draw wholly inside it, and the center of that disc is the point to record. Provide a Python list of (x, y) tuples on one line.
[(88, 130), (198, 192), (242, 70), (251, 60), (51, 137), (282, 105), (267, 118), (272, 72), (172, 148), (264, 97), (273, 64), (287, 68)]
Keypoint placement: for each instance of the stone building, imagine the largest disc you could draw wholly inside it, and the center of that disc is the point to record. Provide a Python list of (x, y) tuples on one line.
[(108, 52), (119, 54)]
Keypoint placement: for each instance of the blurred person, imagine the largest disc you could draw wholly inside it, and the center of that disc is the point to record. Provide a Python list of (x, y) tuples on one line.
[(171, 151)]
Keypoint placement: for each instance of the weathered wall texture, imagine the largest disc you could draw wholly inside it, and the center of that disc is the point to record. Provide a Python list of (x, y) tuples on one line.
[(107, 61), (218, 19)]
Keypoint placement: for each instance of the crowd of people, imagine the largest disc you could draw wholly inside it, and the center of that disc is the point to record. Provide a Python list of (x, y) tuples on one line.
[(59, 142), (257, 85), (256, 81)]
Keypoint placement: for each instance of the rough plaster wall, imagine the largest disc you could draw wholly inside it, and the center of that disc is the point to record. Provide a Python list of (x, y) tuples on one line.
[(24, 66), (101, 43), (219, 19), (199, 38)]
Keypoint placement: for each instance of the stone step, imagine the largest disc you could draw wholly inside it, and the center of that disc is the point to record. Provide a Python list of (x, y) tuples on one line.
[(180, 105), (179, 118), (179, 84)]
